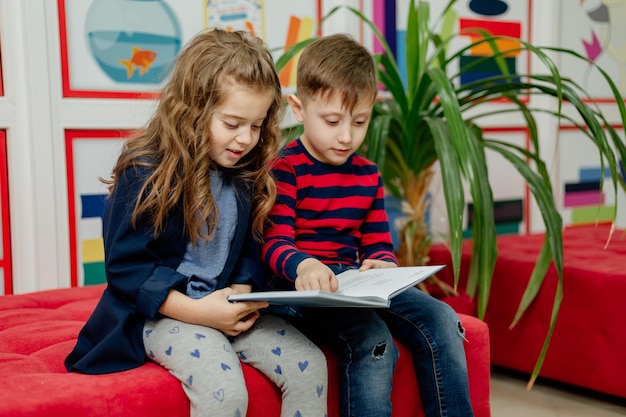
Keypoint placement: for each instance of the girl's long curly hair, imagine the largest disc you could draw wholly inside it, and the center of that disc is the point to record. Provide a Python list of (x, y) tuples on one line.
[(175, 144)]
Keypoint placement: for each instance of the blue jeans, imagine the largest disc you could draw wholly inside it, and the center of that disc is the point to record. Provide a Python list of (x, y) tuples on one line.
[(362, 338)]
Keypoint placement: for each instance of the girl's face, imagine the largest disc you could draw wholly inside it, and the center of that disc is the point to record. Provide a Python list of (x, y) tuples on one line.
[(236, 123)]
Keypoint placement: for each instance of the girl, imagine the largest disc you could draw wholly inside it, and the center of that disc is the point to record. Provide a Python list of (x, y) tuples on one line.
[(188, 199)]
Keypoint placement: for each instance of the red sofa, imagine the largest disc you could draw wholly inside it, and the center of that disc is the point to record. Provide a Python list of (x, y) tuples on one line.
[(589, 342), (38, 330)]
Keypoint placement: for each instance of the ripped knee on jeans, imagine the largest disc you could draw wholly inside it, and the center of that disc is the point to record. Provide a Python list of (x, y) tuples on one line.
[(461, 330), (379, 350)]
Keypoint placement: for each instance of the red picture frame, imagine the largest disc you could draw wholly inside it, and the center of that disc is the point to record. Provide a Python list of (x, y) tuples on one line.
[(5, 256), (70, 90), (71, 138), (1, 80)]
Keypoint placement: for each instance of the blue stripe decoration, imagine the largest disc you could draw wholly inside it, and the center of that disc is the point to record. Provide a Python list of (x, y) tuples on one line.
[(477, 68), (93, 205), (593, 174), (390, 25), (401, 55)]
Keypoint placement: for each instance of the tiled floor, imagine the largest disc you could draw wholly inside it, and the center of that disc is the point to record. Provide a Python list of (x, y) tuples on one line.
[(509, 398)]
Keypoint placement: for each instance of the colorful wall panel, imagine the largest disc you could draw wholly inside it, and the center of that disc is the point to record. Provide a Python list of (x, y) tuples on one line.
[(5, 225), (90, 155), (500, 18), (124, 48), (596, 30), (585, 199)]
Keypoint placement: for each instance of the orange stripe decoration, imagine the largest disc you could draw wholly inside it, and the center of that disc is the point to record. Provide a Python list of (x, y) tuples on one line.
[(496, 28), (305, 32), (292, 39)]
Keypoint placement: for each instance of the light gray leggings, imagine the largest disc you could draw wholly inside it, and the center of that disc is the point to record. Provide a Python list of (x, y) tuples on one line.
[(206, 362)]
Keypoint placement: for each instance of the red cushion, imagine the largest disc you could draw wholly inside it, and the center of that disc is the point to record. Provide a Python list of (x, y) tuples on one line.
[(38, 330), (589, 341)]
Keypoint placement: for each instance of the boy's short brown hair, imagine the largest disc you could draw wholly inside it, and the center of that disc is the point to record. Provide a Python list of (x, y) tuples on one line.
[(337, 64)]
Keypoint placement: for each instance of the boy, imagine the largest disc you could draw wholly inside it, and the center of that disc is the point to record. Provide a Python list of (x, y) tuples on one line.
[(329, 216)]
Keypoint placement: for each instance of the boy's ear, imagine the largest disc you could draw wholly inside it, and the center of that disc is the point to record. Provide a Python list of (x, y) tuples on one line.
[(296, 106)]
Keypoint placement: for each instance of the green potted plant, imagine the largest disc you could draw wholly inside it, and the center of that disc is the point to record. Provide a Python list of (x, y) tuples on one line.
[(432, 119)]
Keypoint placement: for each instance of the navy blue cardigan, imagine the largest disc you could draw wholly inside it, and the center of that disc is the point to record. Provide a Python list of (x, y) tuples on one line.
[(140, 272)]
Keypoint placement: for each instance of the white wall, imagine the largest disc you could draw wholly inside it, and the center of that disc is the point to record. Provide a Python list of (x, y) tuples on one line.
[(34, 114)]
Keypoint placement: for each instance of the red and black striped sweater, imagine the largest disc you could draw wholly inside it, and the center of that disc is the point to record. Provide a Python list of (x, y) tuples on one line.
[(333, 213)]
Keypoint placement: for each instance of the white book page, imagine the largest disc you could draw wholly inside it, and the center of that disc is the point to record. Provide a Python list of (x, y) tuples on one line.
[(382, 282)]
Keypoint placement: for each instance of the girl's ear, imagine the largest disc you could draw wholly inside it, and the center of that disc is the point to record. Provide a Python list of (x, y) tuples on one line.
[(296, 106)]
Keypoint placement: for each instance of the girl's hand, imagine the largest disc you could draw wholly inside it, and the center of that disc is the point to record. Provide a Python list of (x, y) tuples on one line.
[(241, 288), (214, 311), (376, 263), (314, 275), (230, 318)]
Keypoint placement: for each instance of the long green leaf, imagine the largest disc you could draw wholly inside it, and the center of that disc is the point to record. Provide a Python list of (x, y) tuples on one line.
[(552, 248), (535, 282), (551, 216), (556, 306), (417, 38), (452, 188), (471, 158), (542, 193), (390, 78), (484, 251), (291, 53), (376, 139)]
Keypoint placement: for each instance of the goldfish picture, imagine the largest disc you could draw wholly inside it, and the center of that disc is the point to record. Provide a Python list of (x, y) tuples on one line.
[(141, 58)]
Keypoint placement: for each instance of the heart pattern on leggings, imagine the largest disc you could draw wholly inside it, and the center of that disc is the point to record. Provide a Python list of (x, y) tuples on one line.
[(219, 394)]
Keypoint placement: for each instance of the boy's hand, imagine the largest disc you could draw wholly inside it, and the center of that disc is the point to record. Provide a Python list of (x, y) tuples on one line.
[(376, 263), (314, 275)]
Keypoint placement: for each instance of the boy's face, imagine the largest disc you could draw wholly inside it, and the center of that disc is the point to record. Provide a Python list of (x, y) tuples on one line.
[(331, 132)]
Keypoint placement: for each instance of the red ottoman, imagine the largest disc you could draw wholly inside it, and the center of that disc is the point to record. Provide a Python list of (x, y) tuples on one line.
[(38, 330), (589, 341)]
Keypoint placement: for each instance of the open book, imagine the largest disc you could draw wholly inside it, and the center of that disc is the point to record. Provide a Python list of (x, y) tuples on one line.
[(371, 288)]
